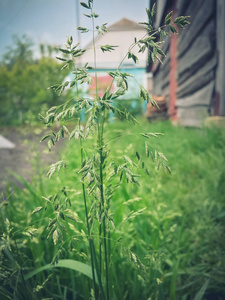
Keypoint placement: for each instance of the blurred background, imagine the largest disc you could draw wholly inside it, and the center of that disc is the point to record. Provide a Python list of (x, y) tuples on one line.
[(181, 232), (30, 31), (188, 86)]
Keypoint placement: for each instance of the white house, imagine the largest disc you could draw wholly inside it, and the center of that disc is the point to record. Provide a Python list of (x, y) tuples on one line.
[(122, 34)]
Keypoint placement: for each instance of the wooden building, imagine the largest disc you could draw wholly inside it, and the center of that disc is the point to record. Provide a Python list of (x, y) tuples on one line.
[(121, 34), (192, 76)]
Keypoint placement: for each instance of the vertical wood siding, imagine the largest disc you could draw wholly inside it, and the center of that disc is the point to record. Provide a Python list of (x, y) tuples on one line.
[(196, 56)]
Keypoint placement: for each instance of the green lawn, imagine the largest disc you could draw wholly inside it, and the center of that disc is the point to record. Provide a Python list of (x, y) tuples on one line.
[(169, 238)]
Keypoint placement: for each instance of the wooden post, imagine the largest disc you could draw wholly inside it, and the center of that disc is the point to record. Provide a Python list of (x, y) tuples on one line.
[(220, 73)]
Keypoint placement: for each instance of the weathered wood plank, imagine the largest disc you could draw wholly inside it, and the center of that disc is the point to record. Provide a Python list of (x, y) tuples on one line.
[(166, 44), (220, 75), (161, 6), (201, 13), (200, 51), (165, 82), (165, 62), (166, 90), (199, 79), (157, 83), (202, 97), (182, 6), (192, 116), (195, 85)]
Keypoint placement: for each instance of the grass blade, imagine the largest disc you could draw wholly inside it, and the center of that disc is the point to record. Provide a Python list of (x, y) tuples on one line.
[(201, 292), (64, 263)]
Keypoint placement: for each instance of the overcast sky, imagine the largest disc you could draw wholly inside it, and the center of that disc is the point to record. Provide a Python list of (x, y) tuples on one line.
[(50, 21)]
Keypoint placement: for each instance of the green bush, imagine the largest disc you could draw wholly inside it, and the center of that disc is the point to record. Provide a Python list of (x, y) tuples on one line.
[(24, 84)]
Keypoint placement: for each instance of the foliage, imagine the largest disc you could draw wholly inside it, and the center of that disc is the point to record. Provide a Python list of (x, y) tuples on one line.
[(24, 82), (100, 175), (21, 52), (102, 234), (180, 234)]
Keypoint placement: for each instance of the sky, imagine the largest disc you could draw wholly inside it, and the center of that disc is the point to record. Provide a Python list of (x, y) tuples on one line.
[(51, 21)]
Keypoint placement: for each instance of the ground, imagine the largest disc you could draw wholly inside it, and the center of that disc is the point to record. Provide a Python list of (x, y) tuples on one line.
[(22, 159)]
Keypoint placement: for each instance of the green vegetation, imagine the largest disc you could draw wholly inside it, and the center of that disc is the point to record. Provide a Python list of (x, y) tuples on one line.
[(100, 174), (24, 82), (173, 249), (111, 223)]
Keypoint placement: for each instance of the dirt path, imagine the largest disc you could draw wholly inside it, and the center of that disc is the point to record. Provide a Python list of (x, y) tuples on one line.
[(27, 155)]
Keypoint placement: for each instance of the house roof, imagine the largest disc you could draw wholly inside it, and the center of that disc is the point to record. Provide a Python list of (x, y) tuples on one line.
[(125, 25), (121, 34)]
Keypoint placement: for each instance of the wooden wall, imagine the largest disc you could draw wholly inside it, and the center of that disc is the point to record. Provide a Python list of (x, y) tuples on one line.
[(161, 72), (197, 61)]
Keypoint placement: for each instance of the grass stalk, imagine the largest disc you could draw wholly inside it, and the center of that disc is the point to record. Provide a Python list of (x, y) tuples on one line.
[(98, 128), (87, 221), (102, 225), (104, 220)]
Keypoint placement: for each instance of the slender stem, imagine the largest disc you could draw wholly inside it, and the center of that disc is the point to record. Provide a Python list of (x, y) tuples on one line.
[(95, 63), (85, 202), (100, 130), (101, 148), (87, 222), (131, 47)]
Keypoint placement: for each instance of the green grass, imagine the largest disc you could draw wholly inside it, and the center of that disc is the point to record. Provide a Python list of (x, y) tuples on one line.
[(175, 248)]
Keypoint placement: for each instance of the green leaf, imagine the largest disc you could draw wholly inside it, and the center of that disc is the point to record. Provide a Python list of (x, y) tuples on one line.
[(64, 263), (168, 18), (138, 155), (55, 236), (112, 74), (143, 94), (94, 15), (168, 169), (50, 144), (173, 29), (82, 29), (25, 183), (56, 167), (134, 57), (64, 51), (107, 95), (88, 16), (85, 5), (200, 294), (37, 209), (182, 21), (66, 129), (107, 48), (153, 10), (54, 87), (65, 66), (149, 15), (69, 40), (118, 93), (60, 58), (45, 137), (74, 47), (162, 155), (72, 83), (161, 52)]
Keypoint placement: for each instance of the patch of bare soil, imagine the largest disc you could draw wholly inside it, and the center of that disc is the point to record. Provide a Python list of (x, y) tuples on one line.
[(28, 155)]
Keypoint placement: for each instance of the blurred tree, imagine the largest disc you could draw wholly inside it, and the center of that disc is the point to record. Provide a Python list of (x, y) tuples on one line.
[(48, 50), (24, 82), (20, 52)]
